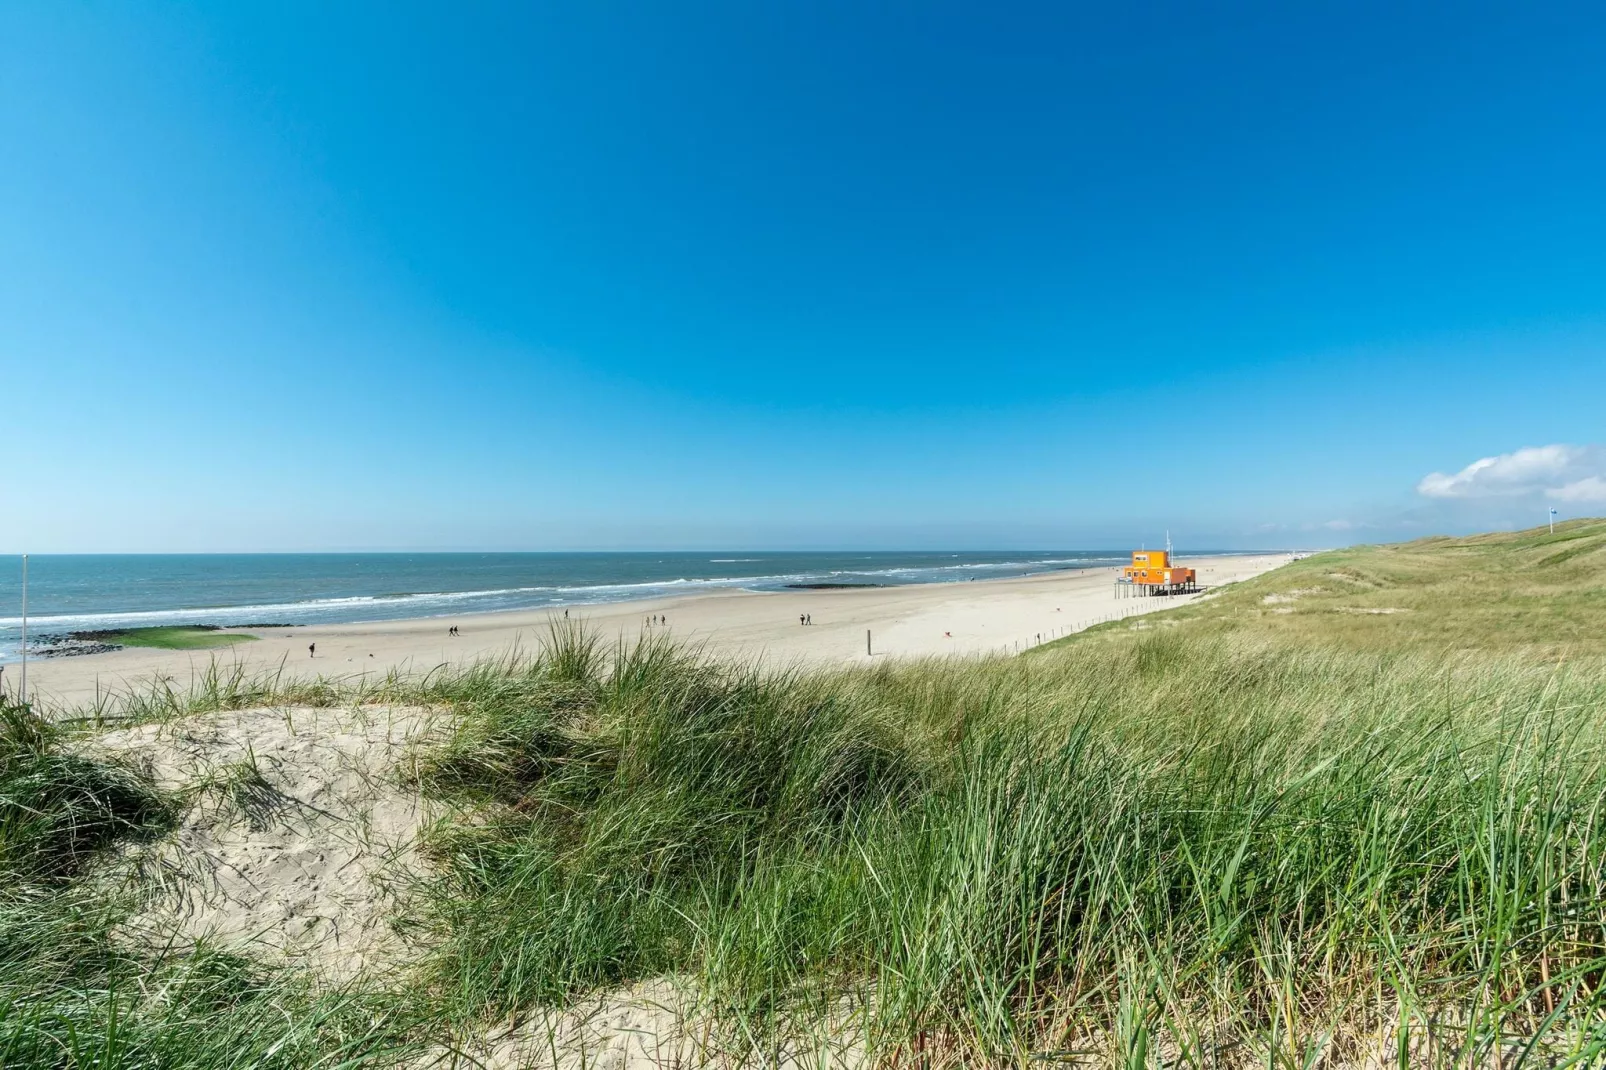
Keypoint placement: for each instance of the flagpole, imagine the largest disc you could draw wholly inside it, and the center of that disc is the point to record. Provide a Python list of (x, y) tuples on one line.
[(22, 693)]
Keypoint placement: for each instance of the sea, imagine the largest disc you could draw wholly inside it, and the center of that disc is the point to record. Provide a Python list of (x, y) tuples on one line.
[(94, 592)]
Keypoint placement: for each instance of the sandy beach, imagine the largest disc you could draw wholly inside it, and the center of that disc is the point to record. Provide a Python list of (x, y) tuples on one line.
[(985, 616)]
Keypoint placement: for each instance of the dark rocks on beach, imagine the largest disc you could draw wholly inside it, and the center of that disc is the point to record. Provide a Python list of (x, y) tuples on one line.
[(75, 644), (70, 645), (69, 650)]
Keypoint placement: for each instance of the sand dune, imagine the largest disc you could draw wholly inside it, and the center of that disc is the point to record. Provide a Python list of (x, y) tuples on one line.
[(297, 836)]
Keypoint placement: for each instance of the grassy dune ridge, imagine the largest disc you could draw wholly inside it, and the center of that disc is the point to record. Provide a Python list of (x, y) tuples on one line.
[(1220, 836), (1531, 593)]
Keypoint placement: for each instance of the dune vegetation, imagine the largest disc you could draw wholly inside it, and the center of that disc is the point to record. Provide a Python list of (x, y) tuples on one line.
[(1531, 593), (1367, 831)]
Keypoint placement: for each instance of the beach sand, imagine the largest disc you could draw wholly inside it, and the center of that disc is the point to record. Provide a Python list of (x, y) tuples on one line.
[(985, 616)]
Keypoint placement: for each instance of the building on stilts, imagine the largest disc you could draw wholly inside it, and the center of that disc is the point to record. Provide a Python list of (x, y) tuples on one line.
[(1152, 572)]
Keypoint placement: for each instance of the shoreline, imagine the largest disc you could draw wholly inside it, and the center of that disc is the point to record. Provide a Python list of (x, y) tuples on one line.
[(318, 608), (1002, 615)]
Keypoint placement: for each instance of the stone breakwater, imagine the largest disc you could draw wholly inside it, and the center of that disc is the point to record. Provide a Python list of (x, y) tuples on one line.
[(68, 644), (74, 644)]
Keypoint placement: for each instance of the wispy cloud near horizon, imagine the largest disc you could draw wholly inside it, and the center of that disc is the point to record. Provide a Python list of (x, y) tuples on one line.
[(1559, 471)]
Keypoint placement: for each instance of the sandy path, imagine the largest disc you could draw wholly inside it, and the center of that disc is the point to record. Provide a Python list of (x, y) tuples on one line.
[(928, 619)]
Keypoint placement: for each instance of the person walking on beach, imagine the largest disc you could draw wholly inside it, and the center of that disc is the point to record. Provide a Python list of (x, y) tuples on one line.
[(312, 650), (809, 620), (801, 620)]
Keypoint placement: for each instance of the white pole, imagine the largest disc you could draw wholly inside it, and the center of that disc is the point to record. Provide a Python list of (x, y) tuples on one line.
[(22, 694), (1553, 521)]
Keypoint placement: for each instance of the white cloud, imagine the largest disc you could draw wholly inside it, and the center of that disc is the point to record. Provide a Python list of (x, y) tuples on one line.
[(1588, 489), (1566, 473)]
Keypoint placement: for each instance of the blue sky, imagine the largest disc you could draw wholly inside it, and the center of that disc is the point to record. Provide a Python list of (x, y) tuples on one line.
[(300, 276)]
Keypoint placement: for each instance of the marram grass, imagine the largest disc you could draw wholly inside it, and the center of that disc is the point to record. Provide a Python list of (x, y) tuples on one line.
[(1226, 846)]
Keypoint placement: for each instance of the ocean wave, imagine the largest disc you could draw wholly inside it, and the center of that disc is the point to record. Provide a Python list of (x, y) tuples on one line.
[(319, 610)]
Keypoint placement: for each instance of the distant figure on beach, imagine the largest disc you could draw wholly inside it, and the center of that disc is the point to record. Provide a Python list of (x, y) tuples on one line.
[(312, 650), (810, 621), (802, 620), (565, 614)]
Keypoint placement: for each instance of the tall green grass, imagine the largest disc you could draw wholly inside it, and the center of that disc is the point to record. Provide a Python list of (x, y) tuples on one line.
[(1196, 847)]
